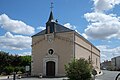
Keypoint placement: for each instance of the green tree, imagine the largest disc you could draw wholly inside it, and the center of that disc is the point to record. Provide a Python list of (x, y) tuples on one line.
[(8, 70), (9, 61), (22, 69), (16, 69), (4, 60), (25, 60), (78, 69)]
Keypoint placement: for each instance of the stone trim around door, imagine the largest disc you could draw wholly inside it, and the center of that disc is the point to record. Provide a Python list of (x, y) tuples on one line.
[(53, 58)]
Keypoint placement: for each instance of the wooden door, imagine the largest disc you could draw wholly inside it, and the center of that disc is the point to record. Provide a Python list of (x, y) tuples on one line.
[(50, 68)]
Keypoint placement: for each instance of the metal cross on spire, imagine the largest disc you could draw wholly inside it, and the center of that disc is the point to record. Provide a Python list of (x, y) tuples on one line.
[(51, 6)]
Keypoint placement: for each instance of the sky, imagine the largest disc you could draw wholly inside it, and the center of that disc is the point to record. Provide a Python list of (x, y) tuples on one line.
[(96, 20)]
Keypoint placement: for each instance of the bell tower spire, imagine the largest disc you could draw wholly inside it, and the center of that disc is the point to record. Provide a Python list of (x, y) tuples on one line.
[(50, 25), (51, 13), (50, 17), (51, 6)]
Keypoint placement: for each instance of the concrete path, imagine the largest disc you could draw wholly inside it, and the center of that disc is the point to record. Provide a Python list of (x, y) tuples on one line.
[(5, 78)]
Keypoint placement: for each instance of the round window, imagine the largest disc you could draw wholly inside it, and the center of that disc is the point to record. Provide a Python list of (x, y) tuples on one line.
[(50, 51)]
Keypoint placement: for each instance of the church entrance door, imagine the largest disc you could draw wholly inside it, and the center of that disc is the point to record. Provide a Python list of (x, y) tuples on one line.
[(50, 68)]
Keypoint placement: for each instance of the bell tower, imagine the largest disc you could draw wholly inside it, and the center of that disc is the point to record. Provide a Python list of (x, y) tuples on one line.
[(50, 25)]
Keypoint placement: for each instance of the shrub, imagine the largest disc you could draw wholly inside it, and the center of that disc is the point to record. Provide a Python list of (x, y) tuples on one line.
[(78, 70)]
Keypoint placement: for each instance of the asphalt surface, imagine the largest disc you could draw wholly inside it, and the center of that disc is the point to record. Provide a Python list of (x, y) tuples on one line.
[(107, 75)]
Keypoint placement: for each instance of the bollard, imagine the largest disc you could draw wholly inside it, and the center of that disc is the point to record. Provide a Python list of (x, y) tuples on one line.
[(14, 75), (8, 77)]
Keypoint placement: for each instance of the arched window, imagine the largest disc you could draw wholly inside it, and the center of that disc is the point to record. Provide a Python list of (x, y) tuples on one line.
[(50, 51)]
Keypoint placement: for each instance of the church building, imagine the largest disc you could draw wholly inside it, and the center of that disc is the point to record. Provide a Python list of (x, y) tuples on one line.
[(56, 46)]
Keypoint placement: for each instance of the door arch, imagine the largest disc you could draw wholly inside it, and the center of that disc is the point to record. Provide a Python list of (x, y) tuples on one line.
[(50, 68)]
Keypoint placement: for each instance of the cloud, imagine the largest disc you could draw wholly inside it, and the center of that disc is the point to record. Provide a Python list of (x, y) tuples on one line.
[(107, 53), (104, 5), (25, 54), (101, 5), (102, 26), (15, 42), (84, 35), (15, 26), (41, 28), (68, 25)]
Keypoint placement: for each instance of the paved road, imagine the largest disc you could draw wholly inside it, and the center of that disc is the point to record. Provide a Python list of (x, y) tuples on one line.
[(5, 78), (108, 75)]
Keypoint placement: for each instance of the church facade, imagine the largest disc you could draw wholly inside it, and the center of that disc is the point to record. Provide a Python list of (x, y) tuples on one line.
[(56, 46)]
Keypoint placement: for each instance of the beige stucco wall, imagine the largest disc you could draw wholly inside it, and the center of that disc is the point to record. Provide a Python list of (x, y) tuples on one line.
[(37, 55), (81, 52), (84, 49), (96, 62), (62, 45), (66, 46)]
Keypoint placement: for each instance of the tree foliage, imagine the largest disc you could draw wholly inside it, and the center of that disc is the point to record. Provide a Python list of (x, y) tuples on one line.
[(78, 70), (10, 63), (8, 69)]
